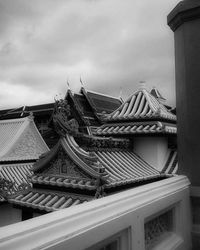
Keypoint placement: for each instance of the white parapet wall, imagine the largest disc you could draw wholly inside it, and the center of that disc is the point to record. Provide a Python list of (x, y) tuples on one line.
[(152, 216)]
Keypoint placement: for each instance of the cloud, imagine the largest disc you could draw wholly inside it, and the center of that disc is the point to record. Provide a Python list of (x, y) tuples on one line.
[(110, 43)]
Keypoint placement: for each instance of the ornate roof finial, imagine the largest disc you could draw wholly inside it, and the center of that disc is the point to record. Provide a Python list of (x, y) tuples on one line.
[(68, 83), (120, 93), (142, 84), (23, 110), (81, 82)]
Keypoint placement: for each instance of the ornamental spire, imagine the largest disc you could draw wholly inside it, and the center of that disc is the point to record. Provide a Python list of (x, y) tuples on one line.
[(142, 84)]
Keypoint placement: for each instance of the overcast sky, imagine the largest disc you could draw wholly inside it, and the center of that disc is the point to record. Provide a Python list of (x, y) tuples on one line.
[(109, 43)]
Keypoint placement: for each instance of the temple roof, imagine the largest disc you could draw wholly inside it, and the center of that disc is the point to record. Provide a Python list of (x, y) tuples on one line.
[(141, 105), (145, 127), (20, 140), (115, 167)]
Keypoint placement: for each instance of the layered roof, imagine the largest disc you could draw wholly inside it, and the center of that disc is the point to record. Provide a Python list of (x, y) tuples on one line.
[(69, 167), (114, 167), (20, 140), (141, 105)]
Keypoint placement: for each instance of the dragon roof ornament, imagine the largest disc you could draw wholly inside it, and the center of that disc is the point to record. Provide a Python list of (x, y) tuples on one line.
[(9, 190), (62, 119)]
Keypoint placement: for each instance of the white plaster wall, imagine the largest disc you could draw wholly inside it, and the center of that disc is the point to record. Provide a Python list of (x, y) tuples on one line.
[(9, 215), (153, 150), (83, 226)]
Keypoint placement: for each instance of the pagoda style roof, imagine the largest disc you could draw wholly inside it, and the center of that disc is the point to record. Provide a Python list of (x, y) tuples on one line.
[(48, 201), (20, 140), (141, 105), (70, 166), (145, 127), (118, 167)]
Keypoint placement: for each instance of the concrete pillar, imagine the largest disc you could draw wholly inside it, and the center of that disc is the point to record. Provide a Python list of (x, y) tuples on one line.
[(184, 20)]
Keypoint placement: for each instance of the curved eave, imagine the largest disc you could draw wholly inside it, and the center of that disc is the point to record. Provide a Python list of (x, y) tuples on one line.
[(77, 160)]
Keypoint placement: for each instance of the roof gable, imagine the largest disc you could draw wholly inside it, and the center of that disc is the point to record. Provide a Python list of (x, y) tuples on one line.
[(141, 105), (101, 102), (20, 140), (68, 165), (86, 161), (63, 165)]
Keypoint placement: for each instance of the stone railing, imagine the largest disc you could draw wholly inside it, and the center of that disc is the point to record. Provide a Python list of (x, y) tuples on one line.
[(152, 216)]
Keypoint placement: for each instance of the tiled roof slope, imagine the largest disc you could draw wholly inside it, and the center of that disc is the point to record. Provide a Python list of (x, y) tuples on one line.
[(16, 173), (120, 167), (125, 167), (48, 201), (141, 105), (146, 127), (20, 140)]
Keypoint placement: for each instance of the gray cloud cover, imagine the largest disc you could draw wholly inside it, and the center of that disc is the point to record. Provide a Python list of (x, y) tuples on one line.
[(110, 43)]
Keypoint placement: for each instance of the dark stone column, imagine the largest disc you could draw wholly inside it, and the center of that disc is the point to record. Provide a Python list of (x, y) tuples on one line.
[(184, 20)]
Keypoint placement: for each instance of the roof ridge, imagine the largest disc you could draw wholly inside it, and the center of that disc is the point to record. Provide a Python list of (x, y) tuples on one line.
[(14, 120), (94, 92), (137, 107)]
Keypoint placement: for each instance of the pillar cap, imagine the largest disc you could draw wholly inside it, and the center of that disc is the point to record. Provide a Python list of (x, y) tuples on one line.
[(183, 12)]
